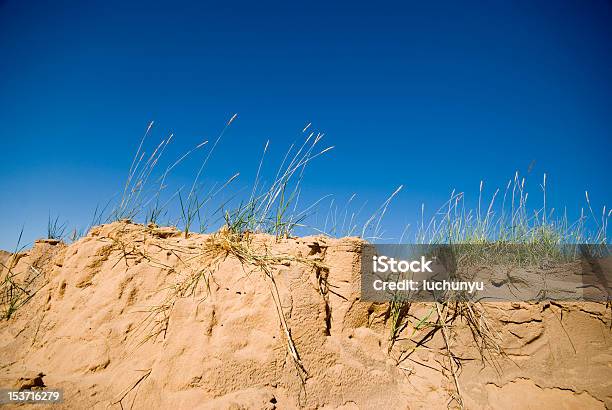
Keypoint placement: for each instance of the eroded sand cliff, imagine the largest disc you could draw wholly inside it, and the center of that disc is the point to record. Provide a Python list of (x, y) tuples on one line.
[(142, 317)]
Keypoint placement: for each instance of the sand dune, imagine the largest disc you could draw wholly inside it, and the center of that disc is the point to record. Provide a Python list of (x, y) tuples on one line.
[(142, 317)]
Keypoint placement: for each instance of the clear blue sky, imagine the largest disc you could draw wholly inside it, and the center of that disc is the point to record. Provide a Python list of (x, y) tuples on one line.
[(432, 95)]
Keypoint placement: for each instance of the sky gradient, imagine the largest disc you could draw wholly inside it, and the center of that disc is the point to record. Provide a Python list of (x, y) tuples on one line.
[(433, 96)]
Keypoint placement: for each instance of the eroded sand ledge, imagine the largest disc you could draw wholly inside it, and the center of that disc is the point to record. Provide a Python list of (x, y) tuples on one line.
[(106, 331)]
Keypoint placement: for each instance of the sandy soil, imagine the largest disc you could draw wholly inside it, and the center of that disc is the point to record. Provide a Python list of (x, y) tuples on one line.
[(122, 322)]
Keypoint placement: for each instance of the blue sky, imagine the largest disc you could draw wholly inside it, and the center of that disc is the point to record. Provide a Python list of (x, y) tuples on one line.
[(431, 95)]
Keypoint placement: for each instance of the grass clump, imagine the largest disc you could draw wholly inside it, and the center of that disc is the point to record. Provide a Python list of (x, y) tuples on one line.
[(513, 221), (273, 209), (55, 229), (270, 208), (511, 232), (16, 287)]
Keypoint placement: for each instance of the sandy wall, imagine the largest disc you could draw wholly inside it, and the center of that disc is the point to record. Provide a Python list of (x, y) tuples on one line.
[(135, 316)]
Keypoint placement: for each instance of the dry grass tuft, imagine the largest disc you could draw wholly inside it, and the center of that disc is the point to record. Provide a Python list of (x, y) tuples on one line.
[(227, 243)]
